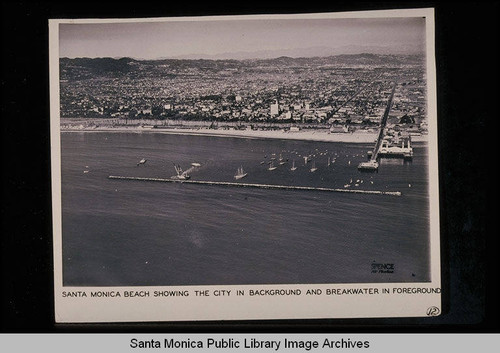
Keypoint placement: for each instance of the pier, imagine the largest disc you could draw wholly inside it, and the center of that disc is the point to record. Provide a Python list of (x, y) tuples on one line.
[(260, 186), (372, 164), (404, 151)]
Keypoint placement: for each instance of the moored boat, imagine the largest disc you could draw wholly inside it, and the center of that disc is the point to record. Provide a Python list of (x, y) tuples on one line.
[(240, 173)]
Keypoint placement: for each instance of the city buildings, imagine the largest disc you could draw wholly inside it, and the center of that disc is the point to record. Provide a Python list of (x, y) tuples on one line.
[(343, 94)]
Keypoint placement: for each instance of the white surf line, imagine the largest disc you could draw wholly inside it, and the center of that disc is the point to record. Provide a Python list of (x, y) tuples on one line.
[(261, 186)]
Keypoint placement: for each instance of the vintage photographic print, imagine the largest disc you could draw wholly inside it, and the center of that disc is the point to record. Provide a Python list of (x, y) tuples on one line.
[(245, 167)]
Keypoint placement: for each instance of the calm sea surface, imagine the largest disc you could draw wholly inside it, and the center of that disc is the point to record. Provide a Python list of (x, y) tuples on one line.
[(134, 233)]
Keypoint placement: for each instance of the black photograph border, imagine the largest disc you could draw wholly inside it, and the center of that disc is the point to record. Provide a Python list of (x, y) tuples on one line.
[(467, 89)]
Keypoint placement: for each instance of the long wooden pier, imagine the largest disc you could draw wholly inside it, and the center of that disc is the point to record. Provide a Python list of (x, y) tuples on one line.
[(260, 186), (372, 164), (383, 123)]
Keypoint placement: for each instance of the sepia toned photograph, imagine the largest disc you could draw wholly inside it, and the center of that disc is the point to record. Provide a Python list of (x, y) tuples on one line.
[(264, 159)]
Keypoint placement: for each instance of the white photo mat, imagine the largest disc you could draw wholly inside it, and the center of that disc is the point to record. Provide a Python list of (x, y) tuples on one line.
[(75, 304)]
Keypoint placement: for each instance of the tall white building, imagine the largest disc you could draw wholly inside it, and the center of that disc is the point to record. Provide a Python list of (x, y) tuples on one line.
[(275, 109)]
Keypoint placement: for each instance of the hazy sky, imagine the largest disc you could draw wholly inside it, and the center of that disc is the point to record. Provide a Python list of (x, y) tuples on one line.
[(151, 40)]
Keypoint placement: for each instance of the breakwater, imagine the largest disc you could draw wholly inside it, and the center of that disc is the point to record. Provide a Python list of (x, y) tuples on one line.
[(261, 186)]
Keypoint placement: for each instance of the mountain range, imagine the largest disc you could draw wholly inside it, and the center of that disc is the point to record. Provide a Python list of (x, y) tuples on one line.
[(93, 67), (317, 51)]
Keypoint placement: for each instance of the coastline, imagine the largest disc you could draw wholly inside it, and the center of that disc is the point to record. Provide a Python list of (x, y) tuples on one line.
[(319, 136)]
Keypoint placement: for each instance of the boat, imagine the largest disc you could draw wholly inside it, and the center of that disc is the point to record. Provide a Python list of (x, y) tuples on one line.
[(142, 161), (194, 164), (313, 168), (271, 167), (371, 165), (281, 160), (240, 174), (181, 175), (293, 166)]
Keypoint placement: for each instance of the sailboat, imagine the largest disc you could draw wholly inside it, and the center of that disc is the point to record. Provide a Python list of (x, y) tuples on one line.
[(271, 167), (281, 160), (313, 168), (293, 166), (181, 175), (240, 173)]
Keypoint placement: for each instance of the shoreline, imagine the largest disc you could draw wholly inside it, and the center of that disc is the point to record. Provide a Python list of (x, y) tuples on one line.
[(317, 136)]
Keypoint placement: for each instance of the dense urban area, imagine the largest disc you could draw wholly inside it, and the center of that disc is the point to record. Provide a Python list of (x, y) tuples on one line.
[(342, 93)]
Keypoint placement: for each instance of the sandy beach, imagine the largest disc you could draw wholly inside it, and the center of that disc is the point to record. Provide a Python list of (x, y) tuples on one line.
[(304, 135)]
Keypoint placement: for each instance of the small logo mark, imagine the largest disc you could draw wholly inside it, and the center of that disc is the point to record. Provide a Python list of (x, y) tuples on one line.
[(433, 311), (382, 268)]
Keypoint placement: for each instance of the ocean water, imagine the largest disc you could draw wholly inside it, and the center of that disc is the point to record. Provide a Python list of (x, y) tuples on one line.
[(137, 233)]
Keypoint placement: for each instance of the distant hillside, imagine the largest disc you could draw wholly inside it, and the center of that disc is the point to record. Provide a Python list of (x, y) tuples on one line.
[(83, 68), (99, 65), (314, 51), (350, 59)]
